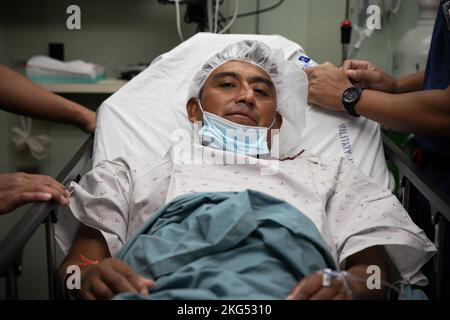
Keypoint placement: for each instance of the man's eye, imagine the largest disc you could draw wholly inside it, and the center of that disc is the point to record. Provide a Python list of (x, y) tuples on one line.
[(227, 85), (261, 92)]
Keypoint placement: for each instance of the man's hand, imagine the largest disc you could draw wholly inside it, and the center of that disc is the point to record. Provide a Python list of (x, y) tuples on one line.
[(327, 83), (311, 288), (17, 189), (366, 75), (108, 278)]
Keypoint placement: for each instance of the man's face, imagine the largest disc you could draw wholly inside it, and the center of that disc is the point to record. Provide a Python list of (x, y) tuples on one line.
[(240, 92)]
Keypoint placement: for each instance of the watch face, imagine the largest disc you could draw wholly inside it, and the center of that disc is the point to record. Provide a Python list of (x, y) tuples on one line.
[(351, 95)]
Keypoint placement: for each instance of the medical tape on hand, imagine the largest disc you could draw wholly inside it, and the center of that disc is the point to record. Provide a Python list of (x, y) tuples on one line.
[(329, 275)]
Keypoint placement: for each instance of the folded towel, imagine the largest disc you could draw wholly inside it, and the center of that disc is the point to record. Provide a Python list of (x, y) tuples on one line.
[(43, 69)]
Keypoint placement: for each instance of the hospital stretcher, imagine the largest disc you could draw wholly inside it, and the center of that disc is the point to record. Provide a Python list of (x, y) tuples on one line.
[(13, 244), (146, 113)]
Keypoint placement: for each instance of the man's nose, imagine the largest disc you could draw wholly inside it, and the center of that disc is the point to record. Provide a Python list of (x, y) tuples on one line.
[(246, 96)]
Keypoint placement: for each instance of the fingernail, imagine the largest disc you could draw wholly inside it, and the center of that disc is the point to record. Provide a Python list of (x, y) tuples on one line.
[(47, 196), (64, 200), (146, 280)]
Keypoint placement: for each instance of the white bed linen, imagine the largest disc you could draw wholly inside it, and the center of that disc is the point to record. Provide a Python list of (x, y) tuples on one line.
[(140, 118)]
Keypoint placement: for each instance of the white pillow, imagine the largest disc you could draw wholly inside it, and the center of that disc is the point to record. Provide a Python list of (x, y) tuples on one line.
[(333, 134), (140, 118)]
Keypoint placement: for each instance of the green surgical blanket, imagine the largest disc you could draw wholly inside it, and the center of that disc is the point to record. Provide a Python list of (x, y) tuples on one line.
[(230, 245)]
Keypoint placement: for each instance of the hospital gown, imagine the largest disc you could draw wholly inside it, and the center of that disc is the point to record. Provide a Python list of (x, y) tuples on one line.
[(350, 210)]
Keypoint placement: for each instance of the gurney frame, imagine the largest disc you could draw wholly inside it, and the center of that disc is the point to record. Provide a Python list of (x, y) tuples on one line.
[(12, 245)]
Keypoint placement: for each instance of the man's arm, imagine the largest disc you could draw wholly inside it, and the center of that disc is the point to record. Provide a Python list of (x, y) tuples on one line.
[(89, 243), (103, 280), (358, 266), (410, 83), (21, 96), (311, 287), (423, 112)]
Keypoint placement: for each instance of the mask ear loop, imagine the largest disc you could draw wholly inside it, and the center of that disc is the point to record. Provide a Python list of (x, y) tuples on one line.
[(201, 107), (269, 131), (273, 123), (197, 124), (203, 112)]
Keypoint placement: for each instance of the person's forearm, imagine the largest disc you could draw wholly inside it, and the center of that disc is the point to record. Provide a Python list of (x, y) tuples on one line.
[(21, 96), (358, 268), (410, 83), (89, 243), (425, 112), (359, 285)]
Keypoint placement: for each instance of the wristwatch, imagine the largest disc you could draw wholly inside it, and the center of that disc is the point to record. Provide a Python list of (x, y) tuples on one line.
[(350, 98)]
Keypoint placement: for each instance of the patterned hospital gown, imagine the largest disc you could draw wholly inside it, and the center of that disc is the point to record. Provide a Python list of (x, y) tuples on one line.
[(350, 210)]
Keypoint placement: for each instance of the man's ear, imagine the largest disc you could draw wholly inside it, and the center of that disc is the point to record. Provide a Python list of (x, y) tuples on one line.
[(192, 110)]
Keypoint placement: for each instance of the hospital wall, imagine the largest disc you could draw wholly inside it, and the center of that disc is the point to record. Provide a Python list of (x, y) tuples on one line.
[(116, 33)]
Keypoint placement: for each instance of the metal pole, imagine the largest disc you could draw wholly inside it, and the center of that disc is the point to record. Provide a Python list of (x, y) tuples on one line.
[(209, 8), (347, 9), (406, 193), (51, 253), (11, 284), (441, 286), (346, 32)]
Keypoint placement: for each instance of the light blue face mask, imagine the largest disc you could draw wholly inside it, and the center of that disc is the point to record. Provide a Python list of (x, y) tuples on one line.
[(222, 134)]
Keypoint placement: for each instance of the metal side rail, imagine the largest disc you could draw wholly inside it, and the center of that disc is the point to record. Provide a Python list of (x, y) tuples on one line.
[(11, 247), (413, 180)]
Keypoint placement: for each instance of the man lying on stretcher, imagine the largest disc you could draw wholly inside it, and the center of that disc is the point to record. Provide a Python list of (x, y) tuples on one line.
[(213, 226)]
